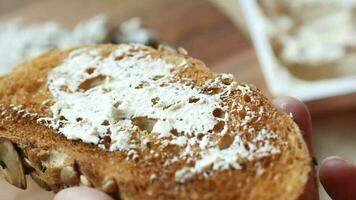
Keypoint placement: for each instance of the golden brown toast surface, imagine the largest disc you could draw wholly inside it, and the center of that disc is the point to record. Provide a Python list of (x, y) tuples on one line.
[(25, 103)]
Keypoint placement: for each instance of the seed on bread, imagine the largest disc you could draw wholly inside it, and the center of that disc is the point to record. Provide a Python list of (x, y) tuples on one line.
[(43, 154), (165, 47), (69, 175), (84, 181), (109, 185), (11, 167), (182, 51), (36, 178), (28, 165)]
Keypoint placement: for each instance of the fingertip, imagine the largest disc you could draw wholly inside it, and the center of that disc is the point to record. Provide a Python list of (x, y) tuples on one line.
[(78, 193), (338, 178), (300, 114), (332, 160), (298, 109), (330, 168), (284, 102)]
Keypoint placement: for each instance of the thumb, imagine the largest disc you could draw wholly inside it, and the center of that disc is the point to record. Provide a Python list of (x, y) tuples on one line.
[(81, 193), (338, 178)]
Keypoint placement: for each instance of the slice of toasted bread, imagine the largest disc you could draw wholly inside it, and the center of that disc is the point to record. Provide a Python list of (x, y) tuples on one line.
[(174, 130)]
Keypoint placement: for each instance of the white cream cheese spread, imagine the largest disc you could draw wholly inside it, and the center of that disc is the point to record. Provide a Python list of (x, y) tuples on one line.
[(102, 100)]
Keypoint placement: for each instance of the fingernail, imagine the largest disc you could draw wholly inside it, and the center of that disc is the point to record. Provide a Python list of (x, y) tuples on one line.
[(332, 158)]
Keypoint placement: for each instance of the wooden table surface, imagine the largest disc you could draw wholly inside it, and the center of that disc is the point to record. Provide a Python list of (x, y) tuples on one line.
[(209, 31)]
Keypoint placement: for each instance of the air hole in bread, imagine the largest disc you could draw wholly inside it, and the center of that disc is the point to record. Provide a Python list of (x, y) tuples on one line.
[(106, 141), (200, 136), (155, 78), (90, 70), (248, 137), (155, 100), (142, 84), (166, 107), (119, 57), (149, 145), (213, 90), (144, 123), (242, 113), (176, 106), (172, 149), (163, 85), (116, 104), (219, 127), (226, 81), (247, 147), (91, 83), (225, 141), (117, 114), (64, 88), (247, 98), (106, 90), (218, 112), (254, 108), (174, 132), (193, 100), (105, 123), (62, 118)]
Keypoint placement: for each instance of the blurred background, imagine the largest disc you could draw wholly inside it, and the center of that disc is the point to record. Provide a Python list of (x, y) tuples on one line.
[(222, 33)]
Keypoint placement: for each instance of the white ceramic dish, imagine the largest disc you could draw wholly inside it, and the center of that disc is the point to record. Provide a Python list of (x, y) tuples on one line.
[(280, 81)]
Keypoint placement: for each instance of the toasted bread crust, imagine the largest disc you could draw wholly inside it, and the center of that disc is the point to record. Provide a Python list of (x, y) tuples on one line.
[(62, 163)]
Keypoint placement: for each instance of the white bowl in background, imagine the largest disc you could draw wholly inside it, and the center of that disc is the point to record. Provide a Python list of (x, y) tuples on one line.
[(280, 81)]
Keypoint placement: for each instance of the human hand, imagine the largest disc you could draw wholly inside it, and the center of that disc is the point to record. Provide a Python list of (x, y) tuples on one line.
[(337, 177), (81, 193)]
